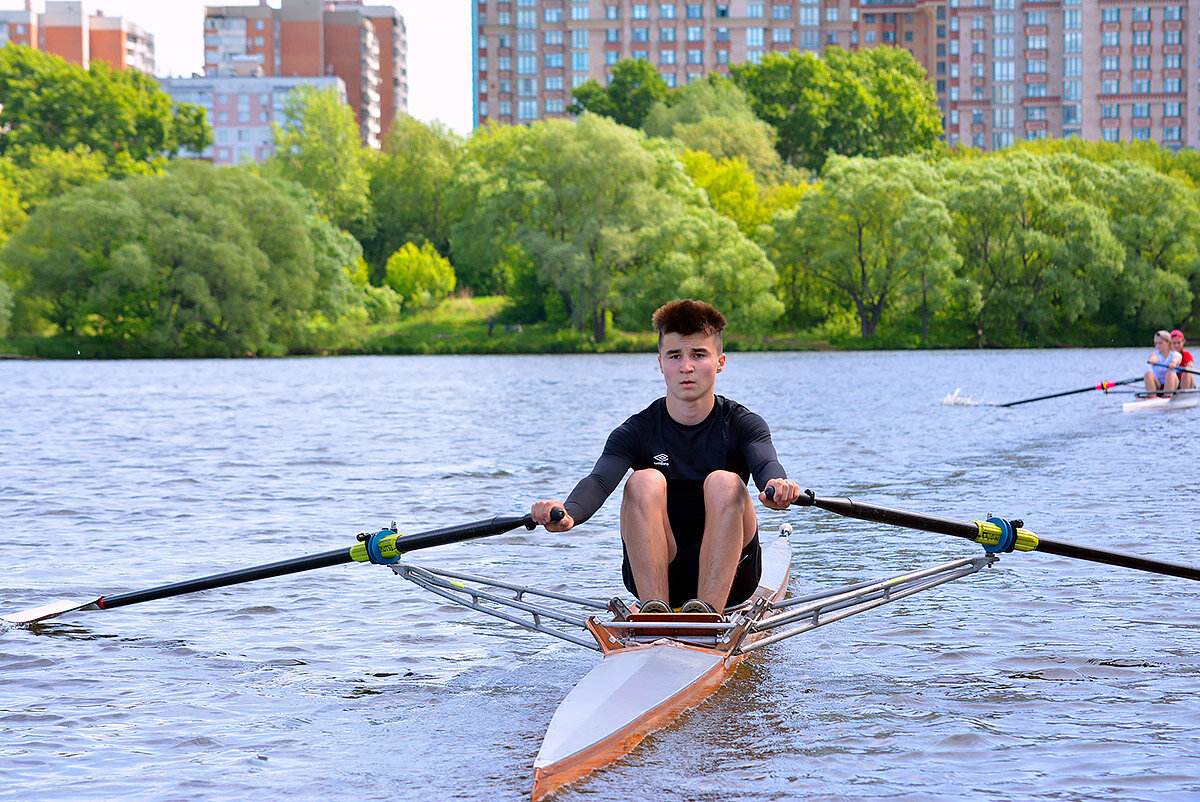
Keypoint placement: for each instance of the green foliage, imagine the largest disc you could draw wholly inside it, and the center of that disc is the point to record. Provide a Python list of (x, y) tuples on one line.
[(420, 277), (412, 186), (1028, 243), (6, 307), (319, 147), (202, 261), (872, 102), (867, 231), (714, 115), (635, 86), (48, 173), (122, 116)]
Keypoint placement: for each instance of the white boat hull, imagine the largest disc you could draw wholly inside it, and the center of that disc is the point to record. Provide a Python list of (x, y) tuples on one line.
[(1183, 400), (637, 689)]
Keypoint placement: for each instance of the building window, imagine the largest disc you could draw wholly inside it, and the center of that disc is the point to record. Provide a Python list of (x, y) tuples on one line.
[(666, 57), (1141, 14), (1002, 47), (1110, 87), (641, 11), (1172, 85), (1110, 134), (1035, 90), (1073, 67), (1035, 18), (1142, 38), (552, 38), (1071, 115), (1035, 113), (1002, 23), (1003, 71), (695, 57), (696, 34), (641, 35), (781, 12), (556, 105), (1072, 19), (1141, 135), (1111, 14), (579, 13), (526, 109), (1172, 109), (579, 40), (1110, 63), (553, 60), (1110, 39), (1110, 111), (1173, 13), (612, 12), (1141, 86), (1035, 42), (666, 11), (554, 83), (612, 35), (722, 56), (1172, 133), (754, 10), (1172, 37), (1172, 61), (754, 37), (1073, 91), (781, 35), (722, 34), (610, 57), (695, 11), (579, 62), (666, 34), (553, 15)]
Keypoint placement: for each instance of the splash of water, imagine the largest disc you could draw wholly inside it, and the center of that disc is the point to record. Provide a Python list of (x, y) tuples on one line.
[(955, 400)]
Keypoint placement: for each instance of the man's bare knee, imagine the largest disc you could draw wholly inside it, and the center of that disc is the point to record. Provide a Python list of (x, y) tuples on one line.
[(646, 486), (724, 487)]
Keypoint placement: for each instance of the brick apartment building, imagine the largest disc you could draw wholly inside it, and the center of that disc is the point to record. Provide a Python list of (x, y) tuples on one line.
[(68, 31), (1003, 70), (365, 46)]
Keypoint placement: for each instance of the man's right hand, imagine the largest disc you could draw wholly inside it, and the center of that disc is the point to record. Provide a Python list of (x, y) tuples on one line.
[(540, 512)]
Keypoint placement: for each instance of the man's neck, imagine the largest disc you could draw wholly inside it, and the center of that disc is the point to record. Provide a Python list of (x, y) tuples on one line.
[(690, 413)]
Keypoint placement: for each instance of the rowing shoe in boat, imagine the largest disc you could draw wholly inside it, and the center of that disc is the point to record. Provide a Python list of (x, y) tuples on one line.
[(1181, 399), (654, 667)]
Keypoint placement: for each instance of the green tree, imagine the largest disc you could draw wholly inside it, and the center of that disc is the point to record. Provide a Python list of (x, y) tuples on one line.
[(635, 86), (319, 147), (201, 261), (412, 180), (1039, 257), (1156, 219), (714, 115), (872, 102), (864, 231), (420, 276), (48, 173), (121, 115)]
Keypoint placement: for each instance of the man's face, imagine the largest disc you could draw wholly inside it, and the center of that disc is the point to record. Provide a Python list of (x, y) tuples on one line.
[(690, 364)]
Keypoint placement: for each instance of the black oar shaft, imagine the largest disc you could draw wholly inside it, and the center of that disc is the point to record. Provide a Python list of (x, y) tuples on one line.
[(1101, 386), (968, 530), (280, 568), (421, 540)]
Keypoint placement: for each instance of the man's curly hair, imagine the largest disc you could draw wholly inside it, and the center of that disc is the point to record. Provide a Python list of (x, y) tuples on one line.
[(685, 316)]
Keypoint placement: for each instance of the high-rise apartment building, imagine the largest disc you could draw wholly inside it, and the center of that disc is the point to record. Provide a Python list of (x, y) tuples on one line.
[(68, 31), (365, 46), (1003, 70)]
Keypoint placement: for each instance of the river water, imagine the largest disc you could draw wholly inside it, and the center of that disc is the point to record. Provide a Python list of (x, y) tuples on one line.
[(1041, 678)]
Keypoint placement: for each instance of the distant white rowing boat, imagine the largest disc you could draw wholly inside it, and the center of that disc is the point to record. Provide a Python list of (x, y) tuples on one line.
[(1182, 399)]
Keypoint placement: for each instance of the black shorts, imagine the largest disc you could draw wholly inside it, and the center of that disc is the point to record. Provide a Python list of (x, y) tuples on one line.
[(683, 573)]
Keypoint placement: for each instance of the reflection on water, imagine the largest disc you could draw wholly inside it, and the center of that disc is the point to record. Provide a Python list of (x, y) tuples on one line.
[(1040, 678)]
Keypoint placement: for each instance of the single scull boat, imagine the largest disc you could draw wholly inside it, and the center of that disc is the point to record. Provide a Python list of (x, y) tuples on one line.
[(654, 667)]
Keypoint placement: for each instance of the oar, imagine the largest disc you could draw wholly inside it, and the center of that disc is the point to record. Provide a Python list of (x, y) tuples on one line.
[(1100, 386), (381, 547), (990, 534)]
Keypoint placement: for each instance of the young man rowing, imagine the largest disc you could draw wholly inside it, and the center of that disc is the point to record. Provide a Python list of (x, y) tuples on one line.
[(688, 525)]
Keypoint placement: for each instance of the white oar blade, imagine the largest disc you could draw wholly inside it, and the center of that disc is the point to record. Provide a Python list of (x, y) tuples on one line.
[(48, 611)]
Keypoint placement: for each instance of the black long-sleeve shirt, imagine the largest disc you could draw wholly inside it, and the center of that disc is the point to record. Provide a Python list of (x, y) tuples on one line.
[(731, 438)]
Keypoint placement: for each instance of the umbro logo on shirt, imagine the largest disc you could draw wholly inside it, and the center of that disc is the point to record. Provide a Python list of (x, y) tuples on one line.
[(661, 460)]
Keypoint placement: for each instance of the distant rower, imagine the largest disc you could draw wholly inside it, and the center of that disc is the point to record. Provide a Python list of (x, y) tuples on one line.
[(1161, 378), (1187, 381)]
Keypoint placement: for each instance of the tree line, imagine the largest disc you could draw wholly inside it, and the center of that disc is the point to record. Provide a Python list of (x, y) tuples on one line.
[(803, 194)]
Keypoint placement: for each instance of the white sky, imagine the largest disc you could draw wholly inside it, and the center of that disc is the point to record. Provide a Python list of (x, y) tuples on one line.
[(439, 46)]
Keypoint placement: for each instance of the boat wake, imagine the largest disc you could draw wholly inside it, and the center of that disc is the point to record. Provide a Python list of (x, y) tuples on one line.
[(955, 400)]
